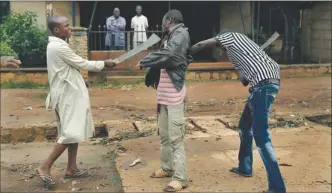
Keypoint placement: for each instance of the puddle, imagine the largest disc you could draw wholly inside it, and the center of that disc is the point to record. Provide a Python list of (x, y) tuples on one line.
[(321, 119)]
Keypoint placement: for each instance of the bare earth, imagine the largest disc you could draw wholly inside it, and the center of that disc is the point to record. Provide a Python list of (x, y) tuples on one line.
[(297, 95), (304, 153)]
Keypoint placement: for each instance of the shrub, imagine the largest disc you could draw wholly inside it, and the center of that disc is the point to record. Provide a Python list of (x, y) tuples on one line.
[(21, 33), (6, 50)]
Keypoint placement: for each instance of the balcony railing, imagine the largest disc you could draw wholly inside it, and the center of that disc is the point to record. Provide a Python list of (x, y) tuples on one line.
[(104, 39)]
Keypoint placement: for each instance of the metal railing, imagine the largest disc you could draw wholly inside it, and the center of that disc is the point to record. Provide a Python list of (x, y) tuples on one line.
[(104, 39)]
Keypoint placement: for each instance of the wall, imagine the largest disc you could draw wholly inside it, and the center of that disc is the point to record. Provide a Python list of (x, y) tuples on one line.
[(316, 32), (35, 6), (65, 8), (230, 16)]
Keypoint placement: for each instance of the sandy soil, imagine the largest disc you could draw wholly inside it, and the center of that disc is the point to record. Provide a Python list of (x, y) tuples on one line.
[(297, 95), (304, 153)]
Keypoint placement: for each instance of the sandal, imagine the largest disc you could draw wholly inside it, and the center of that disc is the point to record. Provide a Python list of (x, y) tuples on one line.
[(239, 172), (46, 179), (175, 186), (78, 174), (160, 174)]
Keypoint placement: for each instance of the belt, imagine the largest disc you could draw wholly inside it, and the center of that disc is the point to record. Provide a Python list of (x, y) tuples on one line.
[(272, 80)]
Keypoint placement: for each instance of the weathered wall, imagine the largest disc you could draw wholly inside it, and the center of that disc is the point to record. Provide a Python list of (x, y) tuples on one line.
[(230, 17), (78, 42), (316, 32), (65, 8), (35, 6)]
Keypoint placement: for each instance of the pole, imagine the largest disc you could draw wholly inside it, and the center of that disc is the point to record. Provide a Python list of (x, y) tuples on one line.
[(258, 28), (242, 18), (93, 14), (252, 11), (73, 12), (169, 5)]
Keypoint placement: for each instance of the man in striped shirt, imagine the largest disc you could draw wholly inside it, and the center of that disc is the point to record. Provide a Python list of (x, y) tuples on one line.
[(263, 74), (169, 64)]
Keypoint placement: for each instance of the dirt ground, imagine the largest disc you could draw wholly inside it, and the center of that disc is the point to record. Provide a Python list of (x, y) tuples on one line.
[(19, 162), (297, 95), (303, 152)]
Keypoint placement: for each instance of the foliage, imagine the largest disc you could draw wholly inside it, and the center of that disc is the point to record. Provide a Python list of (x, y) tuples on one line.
[(6, 50), (21, 33)]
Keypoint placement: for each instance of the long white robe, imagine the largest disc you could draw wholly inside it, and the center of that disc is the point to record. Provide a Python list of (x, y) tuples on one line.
[(68, 94)]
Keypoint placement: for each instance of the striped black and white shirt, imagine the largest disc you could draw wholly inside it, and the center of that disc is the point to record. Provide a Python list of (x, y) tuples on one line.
[(246, 56)]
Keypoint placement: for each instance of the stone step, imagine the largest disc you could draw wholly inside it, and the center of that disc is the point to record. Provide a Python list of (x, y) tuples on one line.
[(113, 130)]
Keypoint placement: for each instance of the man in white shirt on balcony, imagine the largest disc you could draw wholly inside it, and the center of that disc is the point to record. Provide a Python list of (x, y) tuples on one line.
[(139, 23)]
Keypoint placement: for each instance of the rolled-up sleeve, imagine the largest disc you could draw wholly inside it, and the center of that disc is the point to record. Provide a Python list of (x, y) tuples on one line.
[(77, 61)]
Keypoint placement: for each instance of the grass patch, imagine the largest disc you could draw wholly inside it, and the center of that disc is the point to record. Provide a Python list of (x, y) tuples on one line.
[(22, 85)]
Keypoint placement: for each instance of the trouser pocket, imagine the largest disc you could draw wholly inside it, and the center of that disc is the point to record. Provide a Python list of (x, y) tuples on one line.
[(177, 131)]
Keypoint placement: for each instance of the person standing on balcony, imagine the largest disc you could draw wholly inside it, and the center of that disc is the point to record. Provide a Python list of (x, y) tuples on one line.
[(115, 37), (139, 23), (69, 98)]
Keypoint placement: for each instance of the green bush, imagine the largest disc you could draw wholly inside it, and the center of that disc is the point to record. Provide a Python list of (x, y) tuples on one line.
[(21, 33), (6, 50)]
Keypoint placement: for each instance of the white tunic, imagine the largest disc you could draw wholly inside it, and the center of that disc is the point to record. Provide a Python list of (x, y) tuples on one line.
[(139, 24), (68, 94)]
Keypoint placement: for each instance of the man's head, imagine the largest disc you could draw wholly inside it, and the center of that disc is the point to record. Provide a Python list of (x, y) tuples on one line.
[(116, 12), (59, 26), (171, 18), (138, 10)]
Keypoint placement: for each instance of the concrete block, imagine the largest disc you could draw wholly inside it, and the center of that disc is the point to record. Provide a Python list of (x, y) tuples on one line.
[(26, 134), (6, 136)]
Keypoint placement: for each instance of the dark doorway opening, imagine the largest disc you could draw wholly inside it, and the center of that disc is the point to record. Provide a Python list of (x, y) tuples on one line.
[(202, 18)]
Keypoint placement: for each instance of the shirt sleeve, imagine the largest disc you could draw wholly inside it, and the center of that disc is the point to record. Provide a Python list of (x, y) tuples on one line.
[(225, 40), (67, 55), (132, 24), (146, 23)]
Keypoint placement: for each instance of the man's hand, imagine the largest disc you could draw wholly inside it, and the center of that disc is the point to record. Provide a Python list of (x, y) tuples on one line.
[(111, 63), (10, 62), (139, 65), (87, 83)]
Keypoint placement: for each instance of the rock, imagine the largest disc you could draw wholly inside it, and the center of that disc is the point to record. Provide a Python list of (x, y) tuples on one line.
[(76, 189), (73, 183), (123, 88)]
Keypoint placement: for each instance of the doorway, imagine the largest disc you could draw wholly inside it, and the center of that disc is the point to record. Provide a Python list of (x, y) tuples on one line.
[(201, 18)]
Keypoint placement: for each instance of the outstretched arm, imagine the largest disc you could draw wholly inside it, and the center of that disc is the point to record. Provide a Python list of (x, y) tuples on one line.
[(166, 56), (78, 62), (202, 45)]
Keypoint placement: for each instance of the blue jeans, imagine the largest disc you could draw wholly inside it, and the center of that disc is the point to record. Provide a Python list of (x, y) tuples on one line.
[(254, 124)]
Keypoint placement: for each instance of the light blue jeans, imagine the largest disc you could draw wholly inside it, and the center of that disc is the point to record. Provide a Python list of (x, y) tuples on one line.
[(254, 124)]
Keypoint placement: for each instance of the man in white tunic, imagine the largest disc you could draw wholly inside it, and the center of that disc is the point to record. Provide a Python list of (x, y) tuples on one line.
[(69, 98), (139, 23)]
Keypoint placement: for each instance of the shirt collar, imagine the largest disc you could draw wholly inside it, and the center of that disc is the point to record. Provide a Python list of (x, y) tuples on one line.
[(175, 26), (56, 39)]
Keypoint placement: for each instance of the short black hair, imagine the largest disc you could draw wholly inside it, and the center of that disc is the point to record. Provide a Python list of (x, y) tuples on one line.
[(52, 21), (175, 15)]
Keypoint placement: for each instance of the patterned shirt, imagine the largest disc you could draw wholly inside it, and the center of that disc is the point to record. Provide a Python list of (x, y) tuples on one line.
[(247, 57)]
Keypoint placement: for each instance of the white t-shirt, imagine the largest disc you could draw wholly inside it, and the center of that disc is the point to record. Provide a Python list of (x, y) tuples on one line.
[(139, 24)]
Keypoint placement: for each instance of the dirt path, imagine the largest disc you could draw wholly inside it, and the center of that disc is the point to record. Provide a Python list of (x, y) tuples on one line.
[(297, 95), (305, 163)]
